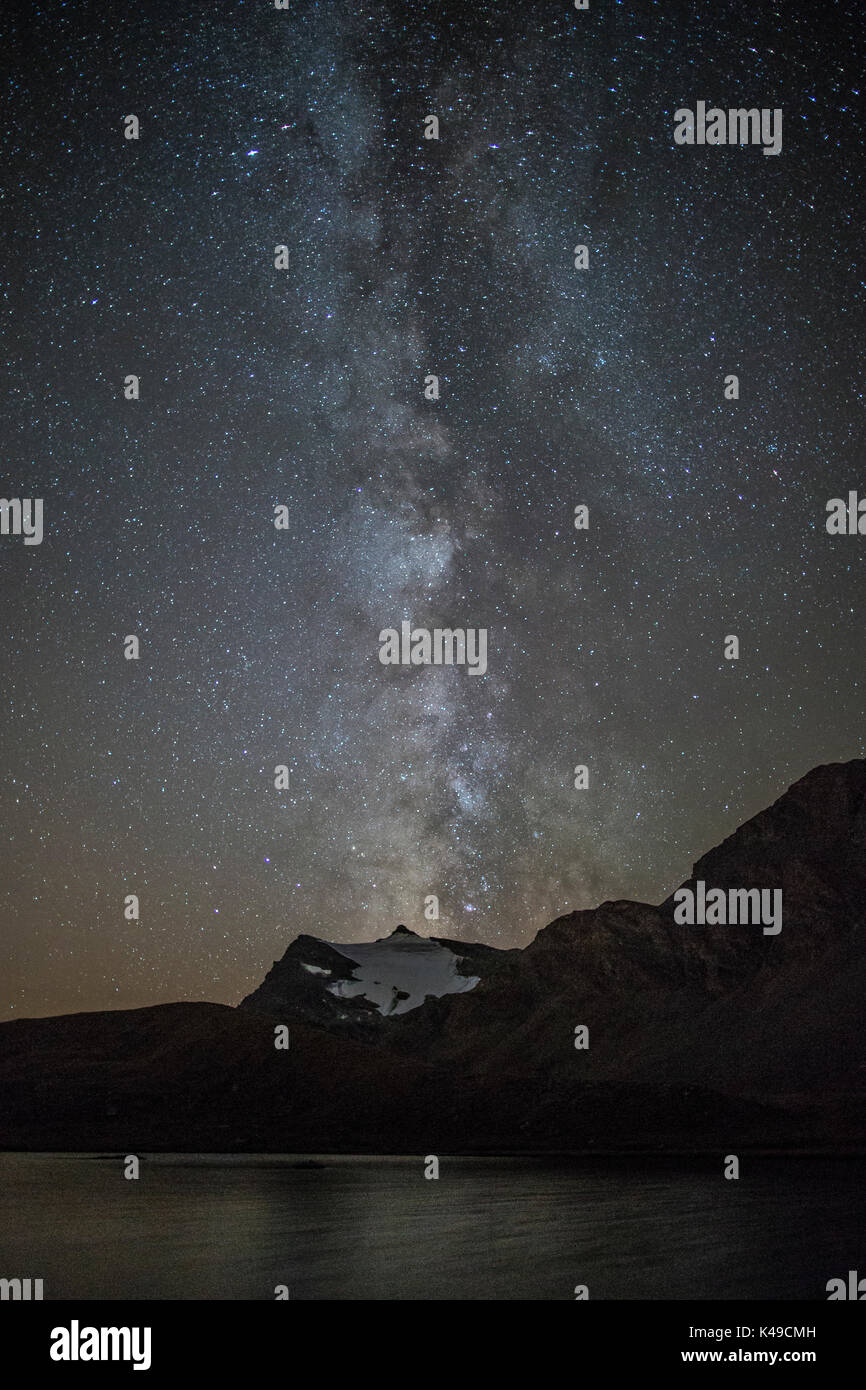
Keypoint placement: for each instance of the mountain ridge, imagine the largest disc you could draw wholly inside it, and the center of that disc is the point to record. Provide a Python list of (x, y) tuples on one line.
[(697, 1035)]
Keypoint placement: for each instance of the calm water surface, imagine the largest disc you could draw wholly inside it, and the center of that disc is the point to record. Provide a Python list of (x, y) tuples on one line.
[(227, 1227)]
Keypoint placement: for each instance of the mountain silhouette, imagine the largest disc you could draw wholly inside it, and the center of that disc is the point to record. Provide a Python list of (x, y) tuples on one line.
[(616, 1028)]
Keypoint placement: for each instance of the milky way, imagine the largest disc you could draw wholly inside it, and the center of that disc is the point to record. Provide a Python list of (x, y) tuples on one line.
[(304, 388)]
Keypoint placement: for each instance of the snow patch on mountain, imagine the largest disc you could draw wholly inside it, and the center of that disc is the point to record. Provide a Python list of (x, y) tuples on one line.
[(398, 973)]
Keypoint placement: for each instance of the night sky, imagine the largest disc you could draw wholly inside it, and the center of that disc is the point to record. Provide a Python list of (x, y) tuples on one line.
[(305, 388)]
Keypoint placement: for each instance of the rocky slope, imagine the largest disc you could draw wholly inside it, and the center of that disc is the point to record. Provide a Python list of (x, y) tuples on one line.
[(725, 1006)]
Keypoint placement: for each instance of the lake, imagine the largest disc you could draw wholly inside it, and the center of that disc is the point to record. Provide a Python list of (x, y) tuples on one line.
[(235, 1227)]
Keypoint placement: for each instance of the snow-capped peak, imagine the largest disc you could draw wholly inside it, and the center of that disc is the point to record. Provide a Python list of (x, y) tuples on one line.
[(398, 972)]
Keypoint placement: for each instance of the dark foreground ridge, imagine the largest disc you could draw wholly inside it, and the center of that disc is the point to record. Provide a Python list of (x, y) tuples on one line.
[(699, 1036)]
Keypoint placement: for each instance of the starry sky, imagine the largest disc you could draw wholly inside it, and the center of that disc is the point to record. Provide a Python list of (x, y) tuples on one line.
[(305, 388)]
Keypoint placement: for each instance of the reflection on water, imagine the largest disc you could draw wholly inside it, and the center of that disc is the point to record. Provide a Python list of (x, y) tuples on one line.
[(228, 1227)]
